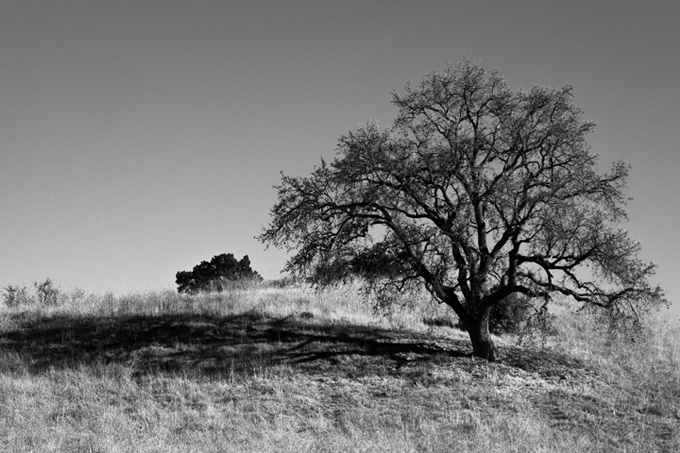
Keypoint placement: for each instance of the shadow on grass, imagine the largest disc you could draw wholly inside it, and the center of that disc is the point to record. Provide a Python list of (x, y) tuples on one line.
[(212, 346), (215, 347)]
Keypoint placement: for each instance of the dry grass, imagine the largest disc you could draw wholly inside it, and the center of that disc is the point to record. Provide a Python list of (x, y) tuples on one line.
[(290, 370)]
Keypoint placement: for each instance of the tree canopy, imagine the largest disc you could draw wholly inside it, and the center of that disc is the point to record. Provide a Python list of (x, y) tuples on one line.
[(477, 192), (220, 273)]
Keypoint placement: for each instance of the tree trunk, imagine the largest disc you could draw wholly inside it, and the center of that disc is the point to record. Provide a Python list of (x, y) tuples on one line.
[(482, 344)]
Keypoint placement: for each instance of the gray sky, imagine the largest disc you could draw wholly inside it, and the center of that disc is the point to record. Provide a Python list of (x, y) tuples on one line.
[(138, 138)]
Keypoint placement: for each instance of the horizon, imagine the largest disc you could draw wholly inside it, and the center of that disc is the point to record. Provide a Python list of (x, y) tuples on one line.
[(139, 139)]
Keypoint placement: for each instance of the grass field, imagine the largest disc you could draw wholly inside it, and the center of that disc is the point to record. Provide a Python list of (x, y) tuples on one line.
[(291, 370)]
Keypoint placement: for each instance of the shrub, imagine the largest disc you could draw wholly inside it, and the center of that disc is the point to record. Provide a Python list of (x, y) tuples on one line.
[(16, 295), (46, 293), (511, 315)]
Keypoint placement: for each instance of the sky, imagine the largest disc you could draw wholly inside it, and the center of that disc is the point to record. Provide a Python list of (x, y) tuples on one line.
[(138, 138)]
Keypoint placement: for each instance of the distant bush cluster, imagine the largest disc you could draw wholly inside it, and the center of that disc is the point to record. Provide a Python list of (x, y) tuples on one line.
[(221, 273), (43, 293)]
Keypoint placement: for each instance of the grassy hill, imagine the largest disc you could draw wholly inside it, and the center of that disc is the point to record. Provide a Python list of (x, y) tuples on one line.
[(291, 370)]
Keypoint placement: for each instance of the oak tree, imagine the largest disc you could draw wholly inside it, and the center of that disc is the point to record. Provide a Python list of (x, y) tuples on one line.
[(220, 273), (479, 193)]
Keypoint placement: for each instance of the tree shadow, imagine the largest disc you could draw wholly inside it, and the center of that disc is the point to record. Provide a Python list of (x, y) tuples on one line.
[(205, 346), (218, 346)]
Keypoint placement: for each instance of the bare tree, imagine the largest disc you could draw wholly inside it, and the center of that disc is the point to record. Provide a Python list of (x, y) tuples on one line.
[(477, 192)]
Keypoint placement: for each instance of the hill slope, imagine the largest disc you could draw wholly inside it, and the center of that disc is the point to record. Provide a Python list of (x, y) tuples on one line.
[(292, 370)]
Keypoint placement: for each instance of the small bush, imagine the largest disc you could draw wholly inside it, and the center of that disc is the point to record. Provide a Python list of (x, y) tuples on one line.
[(46, 293), (285, 282), (16, 295), (511, 315), (440, 321)]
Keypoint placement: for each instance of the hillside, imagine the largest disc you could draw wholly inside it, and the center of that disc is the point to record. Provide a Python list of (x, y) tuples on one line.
[(293, 370)]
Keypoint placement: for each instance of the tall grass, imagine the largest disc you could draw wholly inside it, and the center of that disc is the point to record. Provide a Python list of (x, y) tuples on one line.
[(645, 365), (321, 383)]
